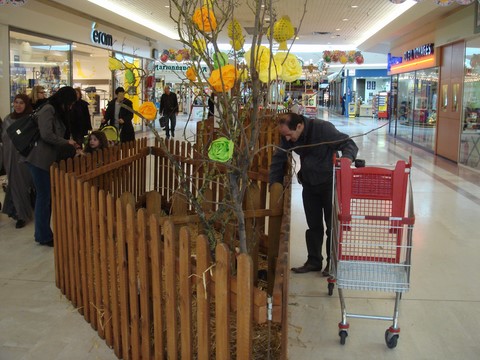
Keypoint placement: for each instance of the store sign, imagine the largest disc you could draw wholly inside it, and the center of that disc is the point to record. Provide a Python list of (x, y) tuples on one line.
[(174, 67), (418, 52), (101, 38)]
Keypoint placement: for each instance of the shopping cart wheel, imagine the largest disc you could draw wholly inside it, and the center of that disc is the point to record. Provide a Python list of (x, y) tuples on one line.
[(331, 286), (391, 339), (343, 336)]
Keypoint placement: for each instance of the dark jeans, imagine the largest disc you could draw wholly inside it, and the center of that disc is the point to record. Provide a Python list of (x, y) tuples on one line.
[(317, 203), (43, 209), (171, 123)]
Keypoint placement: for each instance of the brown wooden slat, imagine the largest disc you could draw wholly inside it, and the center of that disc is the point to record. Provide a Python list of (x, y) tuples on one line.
[(89, 255), (157, 288), (144, 283), (245, 307), (104, 269), (274, 227), (82, 249), (70, 243), (76, 245), (97, 282), (222, 302), (170, 289), (133, 282), (203, 298), (123, 278), (63, 236), (185, 295), (113, 266), (56, 201)]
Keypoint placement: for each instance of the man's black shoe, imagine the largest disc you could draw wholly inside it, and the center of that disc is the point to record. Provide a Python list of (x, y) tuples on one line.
[(305, 268)]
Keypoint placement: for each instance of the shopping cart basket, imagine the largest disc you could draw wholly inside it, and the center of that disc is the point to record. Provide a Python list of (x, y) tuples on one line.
[(372, 223)]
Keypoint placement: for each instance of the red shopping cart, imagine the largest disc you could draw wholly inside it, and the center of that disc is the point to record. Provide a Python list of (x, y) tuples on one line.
[(372, 224)]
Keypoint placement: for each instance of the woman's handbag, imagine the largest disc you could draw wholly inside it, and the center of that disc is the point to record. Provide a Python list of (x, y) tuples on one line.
[(24, 133)]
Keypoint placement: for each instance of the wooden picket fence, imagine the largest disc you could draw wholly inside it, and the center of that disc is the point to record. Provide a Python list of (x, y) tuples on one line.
[(140, 278)]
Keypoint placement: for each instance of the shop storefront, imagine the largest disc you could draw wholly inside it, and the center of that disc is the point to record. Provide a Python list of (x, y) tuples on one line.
[(435, 98), (470, 132), (88, 55), (413, 100)]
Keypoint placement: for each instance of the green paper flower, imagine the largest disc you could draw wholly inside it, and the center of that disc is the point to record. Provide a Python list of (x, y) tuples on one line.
[(221, 150)]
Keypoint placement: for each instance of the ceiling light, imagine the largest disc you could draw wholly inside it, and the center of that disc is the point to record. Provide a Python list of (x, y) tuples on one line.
[(127, 13), (354, 6), (338, 29), (345, 19)]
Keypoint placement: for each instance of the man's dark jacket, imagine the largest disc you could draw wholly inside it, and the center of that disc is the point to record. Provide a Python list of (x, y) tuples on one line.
[(127, 133), (316, 161)]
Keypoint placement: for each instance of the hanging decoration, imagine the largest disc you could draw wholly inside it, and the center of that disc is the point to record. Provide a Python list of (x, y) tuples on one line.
[(175, 55), (204, 19), (283, 30), (235, 34), (343, 57)]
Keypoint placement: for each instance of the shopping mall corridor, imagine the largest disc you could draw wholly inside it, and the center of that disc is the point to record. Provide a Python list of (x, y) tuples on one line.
[(439, 316)]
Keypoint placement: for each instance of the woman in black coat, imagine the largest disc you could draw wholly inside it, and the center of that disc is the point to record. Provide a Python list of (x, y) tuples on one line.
[(80, 122), (123, 122)]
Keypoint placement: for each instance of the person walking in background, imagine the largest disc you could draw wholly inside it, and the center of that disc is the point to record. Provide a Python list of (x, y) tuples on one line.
[(118, 116), (316, 176), (52, 119), (80, 121), (211, 105), (17, 203), (38, 96), (169, 109), (343, 99)]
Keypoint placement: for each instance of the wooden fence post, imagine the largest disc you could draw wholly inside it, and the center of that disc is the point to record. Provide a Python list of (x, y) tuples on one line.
[(222, 301), (274, 227), (185, 295), (244, 307), (170, 289), (203, 298)]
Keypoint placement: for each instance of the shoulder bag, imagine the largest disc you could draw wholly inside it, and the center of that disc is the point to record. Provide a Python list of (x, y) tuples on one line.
[(24, 133)]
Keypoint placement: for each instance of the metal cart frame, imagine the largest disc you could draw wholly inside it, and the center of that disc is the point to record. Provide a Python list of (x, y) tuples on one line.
[(372, 223)]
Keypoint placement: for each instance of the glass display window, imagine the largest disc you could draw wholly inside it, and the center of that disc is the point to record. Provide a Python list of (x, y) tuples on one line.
[(470, 135), (425, 110), (415, 106), (37, 60)]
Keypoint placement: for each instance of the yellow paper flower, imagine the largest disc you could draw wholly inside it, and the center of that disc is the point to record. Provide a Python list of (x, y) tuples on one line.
[(221, 149), (205, 19), (114, 64), (291, 67), (262, 55), (191, 74), (269, 73), (148, 110), (227, 79), (199, 45)]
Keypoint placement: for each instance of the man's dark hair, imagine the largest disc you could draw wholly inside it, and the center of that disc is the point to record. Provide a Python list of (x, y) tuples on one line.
[(291, 120), (119, 90)]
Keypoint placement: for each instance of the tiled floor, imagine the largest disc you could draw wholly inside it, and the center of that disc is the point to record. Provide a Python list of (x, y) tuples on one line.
[(438, 317)]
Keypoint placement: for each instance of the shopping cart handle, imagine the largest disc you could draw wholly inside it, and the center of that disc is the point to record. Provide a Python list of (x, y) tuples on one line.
[(359, 163)]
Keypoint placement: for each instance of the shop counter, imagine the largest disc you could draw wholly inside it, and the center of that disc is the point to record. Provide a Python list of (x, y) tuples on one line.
[(366, 110)]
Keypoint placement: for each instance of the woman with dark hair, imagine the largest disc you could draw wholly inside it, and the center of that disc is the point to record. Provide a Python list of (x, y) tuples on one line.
[(17, 203), (52, 123)]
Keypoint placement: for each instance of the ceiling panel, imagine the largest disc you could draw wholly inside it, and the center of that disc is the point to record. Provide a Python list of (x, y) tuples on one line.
[(323, 25)]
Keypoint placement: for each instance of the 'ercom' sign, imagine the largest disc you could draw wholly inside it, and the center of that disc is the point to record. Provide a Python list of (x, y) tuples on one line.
[(101, 38)]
